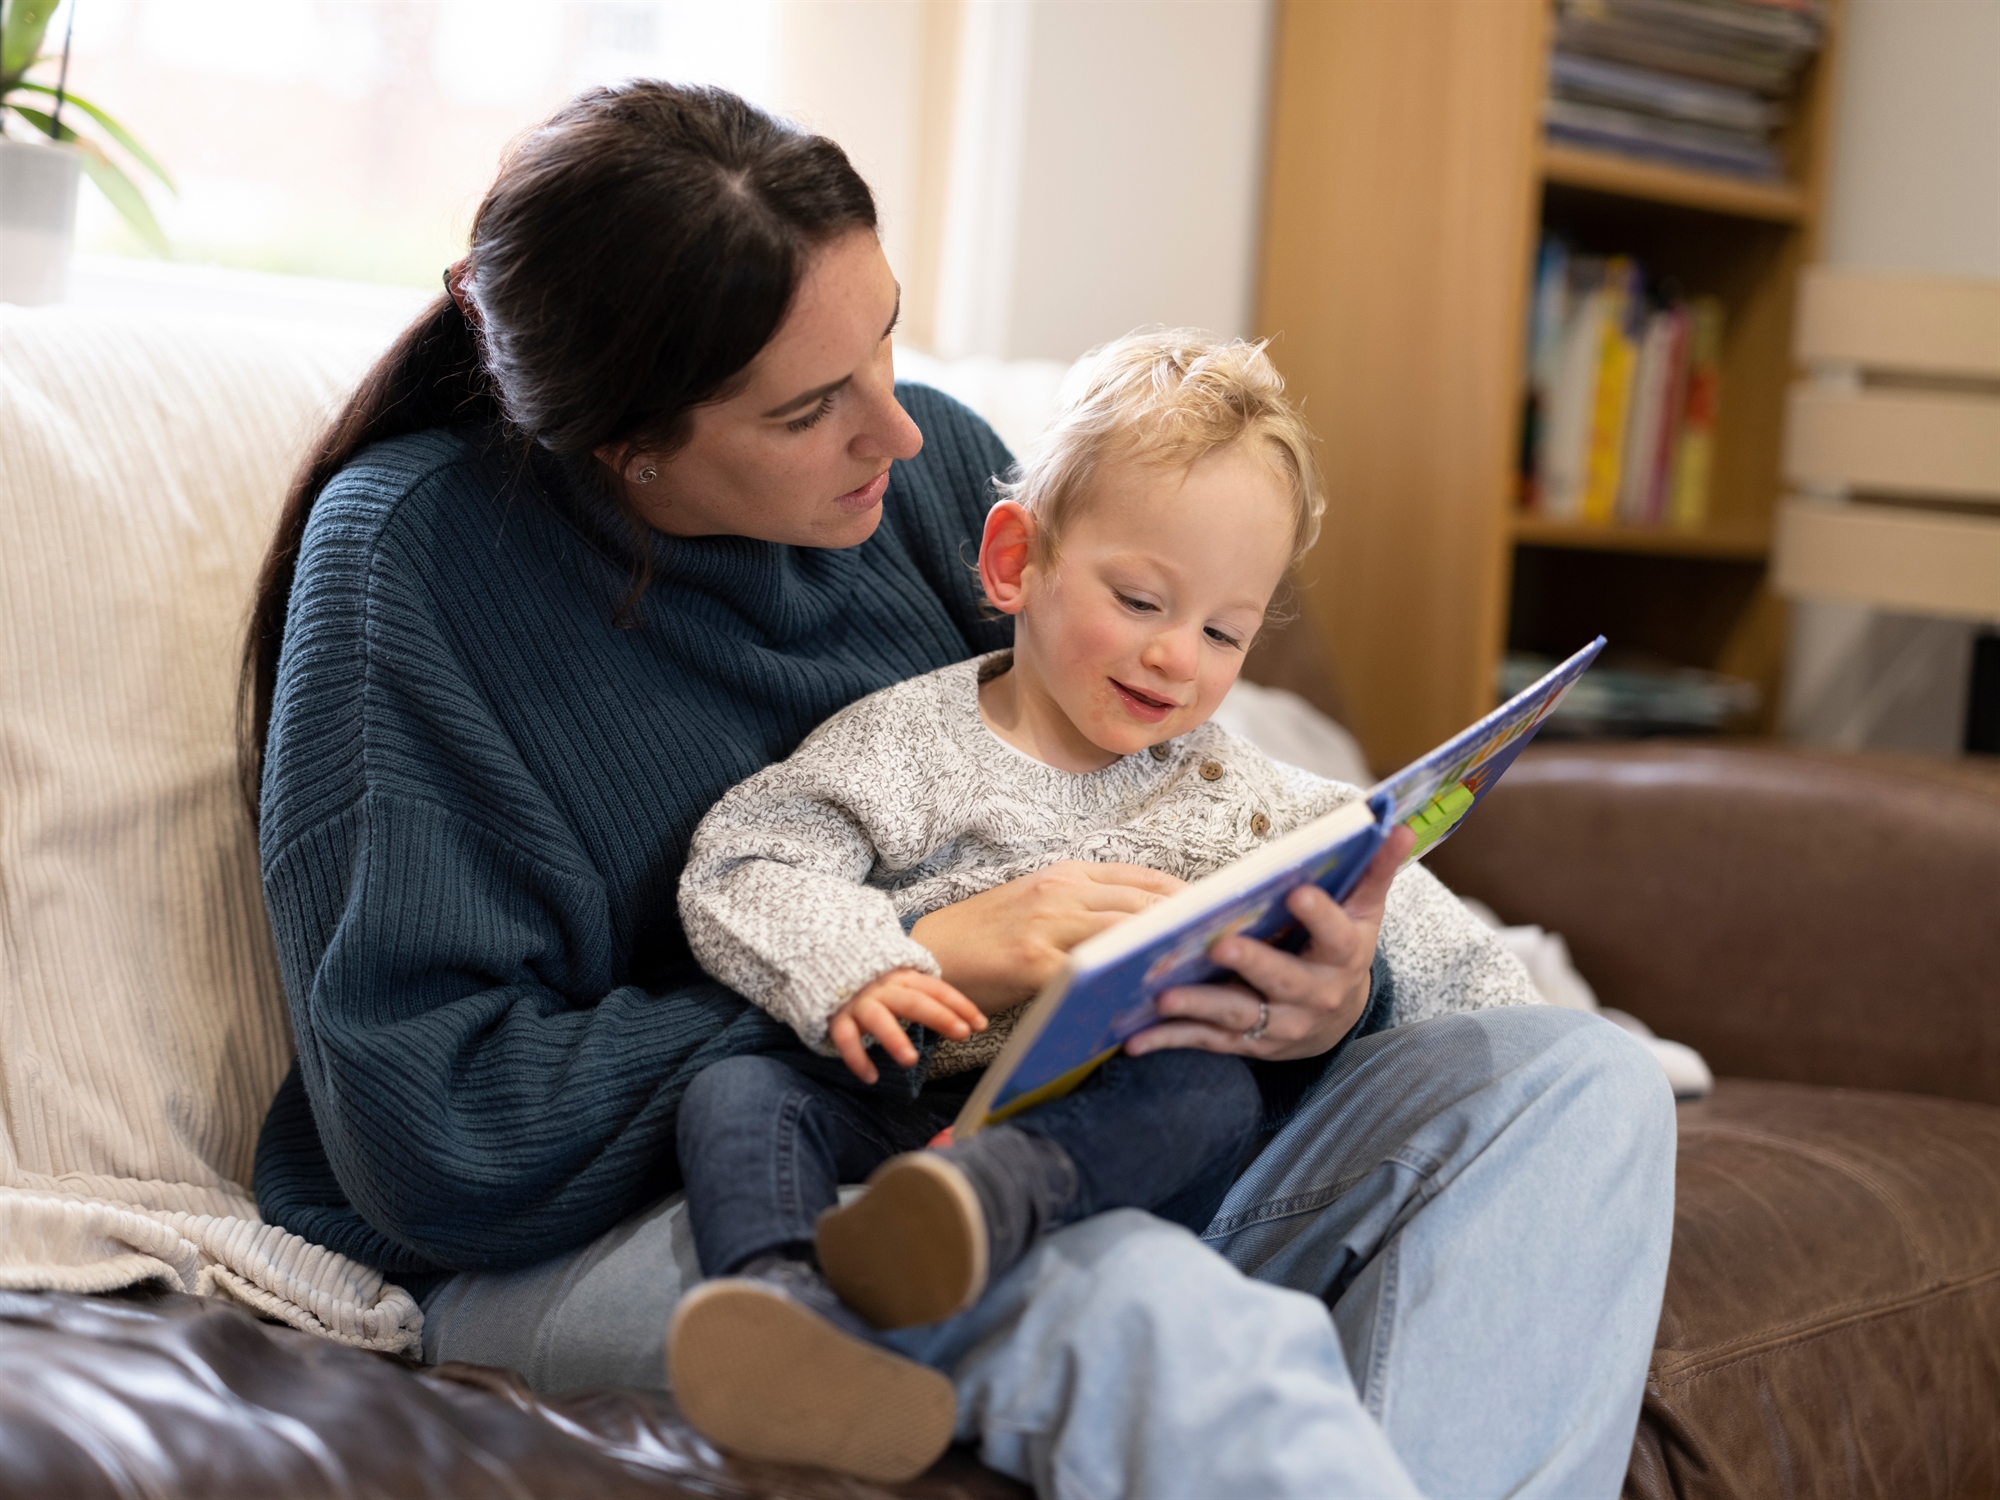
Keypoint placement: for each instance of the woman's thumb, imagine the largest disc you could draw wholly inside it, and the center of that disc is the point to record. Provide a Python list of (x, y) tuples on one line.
[(1365, 902)]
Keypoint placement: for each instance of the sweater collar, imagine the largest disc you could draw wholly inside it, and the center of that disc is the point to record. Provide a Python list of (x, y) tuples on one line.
[(782, 593), (1112, 787)]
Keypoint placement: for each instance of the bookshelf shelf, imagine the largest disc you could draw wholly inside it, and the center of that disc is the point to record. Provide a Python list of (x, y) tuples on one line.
[(1747, 544), (1408, 185), (1624, 177)]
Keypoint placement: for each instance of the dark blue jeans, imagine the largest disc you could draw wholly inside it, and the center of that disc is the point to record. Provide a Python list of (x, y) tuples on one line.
[(765, 1142)]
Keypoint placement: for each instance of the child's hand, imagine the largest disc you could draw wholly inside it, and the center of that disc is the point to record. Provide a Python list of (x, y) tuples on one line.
[(900, 995)]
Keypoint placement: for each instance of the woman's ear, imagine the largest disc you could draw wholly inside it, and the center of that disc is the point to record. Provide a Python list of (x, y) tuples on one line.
[(627, 462), (1006, 548)]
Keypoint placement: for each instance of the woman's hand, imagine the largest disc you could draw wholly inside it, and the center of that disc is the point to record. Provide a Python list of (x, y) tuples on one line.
[(1315, 996), (1001, 946), (881, 1007)]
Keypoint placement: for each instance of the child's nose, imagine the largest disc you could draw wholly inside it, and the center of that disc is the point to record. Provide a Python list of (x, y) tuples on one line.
[(1173, 653)]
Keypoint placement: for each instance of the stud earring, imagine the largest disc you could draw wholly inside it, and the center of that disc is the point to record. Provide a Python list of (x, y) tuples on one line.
[(648, 474)]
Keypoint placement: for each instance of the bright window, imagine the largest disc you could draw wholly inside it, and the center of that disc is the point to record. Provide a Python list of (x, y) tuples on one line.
[(353, 138)]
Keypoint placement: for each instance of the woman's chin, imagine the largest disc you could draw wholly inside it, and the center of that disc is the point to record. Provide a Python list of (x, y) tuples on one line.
[(847, 529)]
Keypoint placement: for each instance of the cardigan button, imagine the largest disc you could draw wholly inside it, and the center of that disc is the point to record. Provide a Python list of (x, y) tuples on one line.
[(1158, 752), (1211, 770), (1259, 824)]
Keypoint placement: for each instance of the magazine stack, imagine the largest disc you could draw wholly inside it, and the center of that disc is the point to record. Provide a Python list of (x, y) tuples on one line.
[(1701, 84)]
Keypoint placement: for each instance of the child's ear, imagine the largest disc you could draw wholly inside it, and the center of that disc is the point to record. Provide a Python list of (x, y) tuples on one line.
[(1005, 551)]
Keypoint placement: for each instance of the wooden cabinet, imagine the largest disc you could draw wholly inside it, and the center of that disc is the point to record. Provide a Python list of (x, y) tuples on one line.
[(1407, 185)]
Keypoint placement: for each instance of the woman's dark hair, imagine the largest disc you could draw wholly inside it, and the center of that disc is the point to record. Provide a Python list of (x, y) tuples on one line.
[(633, 255)]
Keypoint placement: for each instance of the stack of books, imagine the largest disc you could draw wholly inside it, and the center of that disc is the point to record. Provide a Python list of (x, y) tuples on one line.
[(1694, 83), (1624, 383), (1637, 697)]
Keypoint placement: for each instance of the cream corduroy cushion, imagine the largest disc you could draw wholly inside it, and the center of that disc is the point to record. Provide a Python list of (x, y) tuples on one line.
[(142, 1023)]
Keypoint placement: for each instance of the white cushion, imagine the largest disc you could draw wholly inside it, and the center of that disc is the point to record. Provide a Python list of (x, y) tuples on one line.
[(143, 1028)]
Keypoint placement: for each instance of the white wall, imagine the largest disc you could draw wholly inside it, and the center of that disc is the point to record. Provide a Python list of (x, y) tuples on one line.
[(1106, 168), (1916, 166), (1915, 187), (854, 70)]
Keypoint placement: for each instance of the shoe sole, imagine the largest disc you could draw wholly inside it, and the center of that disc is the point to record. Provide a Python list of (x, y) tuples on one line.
[(761, 1376), (909, 1250)]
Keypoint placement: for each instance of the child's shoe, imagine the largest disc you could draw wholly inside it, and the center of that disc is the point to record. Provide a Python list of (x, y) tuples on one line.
[(934, 1227), (911, 1249), (767, 1364)]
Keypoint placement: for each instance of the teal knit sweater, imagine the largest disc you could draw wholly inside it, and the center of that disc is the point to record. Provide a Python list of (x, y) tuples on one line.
[(478, 796)]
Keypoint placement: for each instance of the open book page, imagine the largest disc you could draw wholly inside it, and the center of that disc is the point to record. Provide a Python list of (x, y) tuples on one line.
[(1105, 993)]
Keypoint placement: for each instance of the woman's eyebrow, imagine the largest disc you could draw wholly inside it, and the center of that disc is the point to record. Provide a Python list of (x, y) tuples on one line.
[(820, 393)]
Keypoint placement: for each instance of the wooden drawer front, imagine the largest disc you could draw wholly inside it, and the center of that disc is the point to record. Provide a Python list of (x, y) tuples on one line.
[(1890, 558), (1894, 443), (1930, 325)]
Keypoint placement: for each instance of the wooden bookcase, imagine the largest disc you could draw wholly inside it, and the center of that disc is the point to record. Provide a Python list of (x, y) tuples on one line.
[(1407, 185)]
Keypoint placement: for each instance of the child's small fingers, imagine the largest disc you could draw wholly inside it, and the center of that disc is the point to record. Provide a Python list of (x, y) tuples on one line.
[(940, 1018), (885, 1028), (846, 1039), (951, 997), (965, 1010)]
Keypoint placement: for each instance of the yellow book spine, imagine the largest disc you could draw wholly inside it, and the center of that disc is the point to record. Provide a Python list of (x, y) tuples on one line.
[(1617, 357)]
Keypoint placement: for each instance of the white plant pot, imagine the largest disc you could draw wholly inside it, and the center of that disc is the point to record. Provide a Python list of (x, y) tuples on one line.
[(37, 219)]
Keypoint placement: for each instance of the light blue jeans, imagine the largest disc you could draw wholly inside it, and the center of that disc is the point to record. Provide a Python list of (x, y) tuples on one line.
[(1485, 1201)]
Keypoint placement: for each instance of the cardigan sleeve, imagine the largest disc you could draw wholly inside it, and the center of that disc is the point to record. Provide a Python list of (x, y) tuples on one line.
[(774, 900)]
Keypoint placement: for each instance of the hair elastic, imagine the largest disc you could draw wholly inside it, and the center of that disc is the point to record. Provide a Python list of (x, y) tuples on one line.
[(454, 286)]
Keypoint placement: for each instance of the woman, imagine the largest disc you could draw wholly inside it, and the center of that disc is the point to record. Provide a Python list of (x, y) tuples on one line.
[(616, 524)]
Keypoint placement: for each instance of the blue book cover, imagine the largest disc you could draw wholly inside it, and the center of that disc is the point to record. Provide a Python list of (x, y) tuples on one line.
[(1106, 990)]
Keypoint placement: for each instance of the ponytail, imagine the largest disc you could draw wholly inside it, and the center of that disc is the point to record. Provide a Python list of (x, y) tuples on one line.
[(430, 377)]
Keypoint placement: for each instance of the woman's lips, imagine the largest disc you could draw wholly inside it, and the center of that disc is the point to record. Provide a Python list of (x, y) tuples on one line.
[(1142, 706), (867, 497)]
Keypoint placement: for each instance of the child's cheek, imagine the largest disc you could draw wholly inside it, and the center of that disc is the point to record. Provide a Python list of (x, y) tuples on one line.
[(1102, 640)]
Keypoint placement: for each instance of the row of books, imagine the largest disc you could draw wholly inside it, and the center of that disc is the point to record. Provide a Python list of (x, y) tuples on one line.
[(1624, 383), (1695, 83)]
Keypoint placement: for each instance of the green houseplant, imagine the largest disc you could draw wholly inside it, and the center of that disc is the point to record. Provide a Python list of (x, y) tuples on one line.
[(41, 106)]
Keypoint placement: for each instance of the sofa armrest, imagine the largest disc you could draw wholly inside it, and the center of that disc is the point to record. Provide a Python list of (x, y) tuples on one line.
[(1798, 916)]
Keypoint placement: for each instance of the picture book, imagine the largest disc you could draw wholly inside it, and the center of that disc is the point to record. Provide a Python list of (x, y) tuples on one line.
[(1106, 989)]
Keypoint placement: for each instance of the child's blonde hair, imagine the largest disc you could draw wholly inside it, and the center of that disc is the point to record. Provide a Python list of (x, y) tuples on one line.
[(1167, 397)]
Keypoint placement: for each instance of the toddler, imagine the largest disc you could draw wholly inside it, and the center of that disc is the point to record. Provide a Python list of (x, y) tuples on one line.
[(1138, 551)]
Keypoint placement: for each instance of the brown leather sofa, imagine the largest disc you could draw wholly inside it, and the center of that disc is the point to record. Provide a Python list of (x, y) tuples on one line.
[(1826, 931)]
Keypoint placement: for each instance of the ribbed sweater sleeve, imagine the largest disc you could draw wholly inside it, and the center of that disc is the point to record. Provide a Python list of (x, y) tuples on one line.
[(477, 800)]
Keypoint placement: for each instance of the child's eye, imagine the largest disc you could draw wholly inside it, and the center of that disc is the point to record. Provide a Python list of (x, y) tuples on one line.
[(1224, 638), (1139, 606), (811, 418)]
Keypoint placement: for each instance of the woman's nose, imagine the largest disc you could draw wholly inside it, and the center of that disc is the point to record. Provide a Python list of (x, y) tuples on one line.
[(886, 429)]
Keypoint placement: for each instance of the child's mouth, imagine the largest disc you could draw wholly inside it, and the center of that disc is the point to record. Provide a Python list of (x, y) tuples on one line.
[(1142, 706)]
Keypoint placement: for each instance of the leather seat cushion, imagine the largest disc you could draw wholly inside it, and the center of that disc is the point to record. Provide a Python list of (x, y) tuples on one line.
[(175, 1397), (1832, 1317)]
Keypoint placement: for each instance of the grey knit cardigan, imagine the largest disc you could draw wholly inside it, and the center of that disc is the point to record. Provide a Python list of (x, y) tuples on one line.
[(803, 881)]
